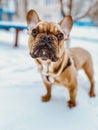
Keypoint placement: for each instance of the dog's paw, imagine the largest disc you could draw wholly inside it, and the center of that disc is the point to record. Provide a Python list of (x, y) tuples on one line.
[(46, 98), (71, 104), (92, 94)]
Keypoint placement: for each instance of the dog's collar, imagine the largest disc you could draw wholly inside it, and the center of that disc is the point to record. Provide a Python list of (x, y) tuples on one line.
[(69, 63)]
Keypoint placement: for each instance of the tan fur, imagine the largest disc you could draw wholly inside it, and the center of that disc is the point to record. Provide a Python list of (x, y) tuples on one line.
[(55, 70)]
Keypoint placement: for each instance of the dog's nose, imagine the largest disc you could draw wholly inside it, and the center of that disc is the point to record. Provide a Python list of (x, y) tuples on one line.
[(46, 38)]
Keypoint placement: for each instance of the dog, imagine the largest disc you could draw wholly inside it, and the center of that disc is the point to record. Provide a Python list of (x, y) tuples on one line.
[(57, 64)]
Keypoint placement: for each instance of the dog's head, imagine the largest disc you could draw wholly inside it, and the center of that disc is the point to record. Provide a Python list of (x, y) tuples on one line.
[(46, 39)]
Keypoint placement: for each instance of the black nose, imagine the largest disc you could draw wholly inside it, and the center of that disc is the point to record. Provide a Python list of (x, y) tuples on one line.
[(46, 38)]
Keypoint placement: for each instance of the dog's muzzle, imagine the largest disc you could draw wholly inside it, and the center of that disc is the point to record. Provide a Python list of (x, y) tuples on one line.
[(45, 49)]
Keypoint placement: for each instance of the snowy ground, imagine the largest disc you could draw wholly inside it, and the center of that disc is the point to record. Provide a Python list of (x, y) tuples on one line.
[(21, 88)]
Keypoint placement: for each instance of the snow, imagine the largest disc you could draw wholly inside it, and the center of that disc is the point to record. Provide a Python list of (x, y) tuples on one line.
[(21, 88)]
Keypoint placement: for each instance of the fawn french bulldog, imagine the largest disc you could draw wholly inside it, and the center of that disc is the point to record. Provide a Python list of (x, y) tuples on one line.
[(57, 64)]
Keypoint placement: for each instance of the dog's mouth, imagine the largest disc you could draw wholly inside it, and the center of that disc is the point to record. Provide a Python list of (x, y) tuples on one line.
[(45, 53)]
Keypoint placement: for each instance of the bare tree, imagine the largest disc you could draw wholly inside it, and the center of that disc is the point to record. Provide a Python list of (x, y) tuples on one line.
[(0, 4), (62, 8), (91, 10)]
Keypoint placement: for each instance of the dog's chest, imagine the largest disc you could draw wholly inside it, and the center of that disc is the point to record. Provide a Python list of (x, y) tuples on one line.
[(47, 68), (44, 69), (45, 74)]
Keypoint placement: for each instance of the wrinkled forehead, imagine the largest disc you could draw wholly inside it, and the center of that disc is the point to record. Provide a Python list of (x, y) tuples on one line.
[(49, 27)]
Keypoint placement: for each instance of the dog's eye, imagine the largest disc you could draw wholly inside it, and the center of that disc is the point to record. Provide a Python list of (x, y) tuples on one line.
[(60, 36), (34, 32)]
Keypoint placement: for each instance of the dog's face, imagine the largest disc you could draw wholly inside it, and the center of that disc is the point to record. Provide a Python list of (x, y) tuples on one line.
[(46, 39)]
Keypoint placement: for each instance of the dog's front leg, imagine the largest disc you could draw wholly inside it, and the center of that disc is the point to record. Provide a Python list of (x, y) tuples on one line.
[(47, 96), (72, 93)]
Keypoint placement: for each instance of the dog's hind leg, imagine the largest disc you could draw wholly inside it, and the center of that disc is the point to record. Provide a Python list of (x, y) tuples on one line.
[(88, 68)]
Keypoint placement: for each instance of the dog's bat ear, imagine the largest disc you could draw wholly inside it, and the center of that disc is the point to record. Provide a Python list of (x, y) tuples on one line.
[(66, 25), (32, 18)]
